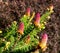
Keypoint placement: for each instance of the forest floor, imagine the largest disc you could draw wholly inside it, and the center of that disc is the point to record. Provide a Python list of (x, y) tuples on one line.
[(11, 10)]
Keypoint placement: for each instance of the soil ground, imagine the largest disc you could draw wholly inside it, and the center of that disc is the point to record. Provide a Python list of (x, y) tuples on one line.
[(11, 10)]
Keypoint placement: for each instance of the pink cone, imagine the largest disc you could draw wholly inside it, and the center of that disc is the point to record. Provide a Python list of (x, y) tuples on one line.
[(43, 43), (37, 19), (28, 12), (28, 39), (21, 28), (44, 38)]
